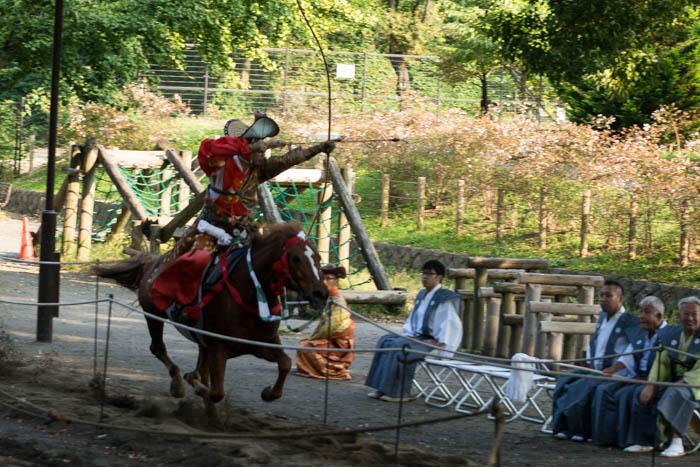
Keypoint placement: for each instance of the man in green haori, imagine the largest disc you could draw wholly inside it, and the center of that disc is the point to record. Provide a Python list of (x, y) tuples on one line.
[(676, 404)]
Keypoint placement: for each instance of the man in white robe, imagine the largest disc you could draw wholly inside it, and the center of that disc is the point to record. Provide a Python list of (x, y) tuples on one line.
[(434, 320)]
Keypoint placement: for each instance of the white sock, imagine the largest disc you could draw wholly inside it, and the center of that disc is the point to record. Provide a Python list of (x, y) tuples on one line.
[(676, 443)]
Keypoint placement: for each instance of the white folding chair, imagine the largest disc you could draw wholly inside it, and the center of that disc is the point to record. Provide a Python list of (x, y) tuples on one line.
[(441, 394), (692, 437), (496, 379)]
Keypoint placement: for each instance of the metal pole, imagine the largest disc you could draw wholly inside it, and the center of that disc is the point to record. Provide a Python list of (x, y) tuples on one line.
[(206, 90), (286, 80), (364, 83), (48, 274), (18, 137)]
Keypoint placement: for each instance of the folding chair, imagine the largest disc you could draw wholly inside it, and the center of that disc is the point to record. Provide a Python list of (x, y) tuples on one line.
[(472, 381), (692, 437), (440, 394)]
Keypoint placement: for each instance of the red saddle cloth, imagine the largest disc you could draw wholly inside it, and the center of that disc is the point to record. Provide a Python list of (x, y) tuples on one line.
[(180, 281)]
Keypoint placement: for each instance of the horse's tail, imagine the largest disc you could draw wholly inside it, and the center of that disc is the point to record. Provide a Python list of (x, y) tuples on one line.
[(128, 272)]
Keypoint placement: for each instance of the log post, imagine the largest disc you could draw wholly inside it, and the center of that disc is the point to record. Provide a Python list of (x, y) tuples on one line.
[(586, 295), (166, 194), (467, 317), (540, 337), (358, 229), (128, 196), (516, 333), (343, 225), (267, 203), (685, 233), (480, 278), (632, 238), (459, 216), (492, 325), (71, 215), (118, 227), (154, 241), (139, 241), (184, 170), (323, 231), (385, 200), (500, 195), (505, 333), (421, 203), (585, 214), (75, 156), (183, 194), (543, 218), (556, 344), (181, 218), (87, 202), (532, 294)]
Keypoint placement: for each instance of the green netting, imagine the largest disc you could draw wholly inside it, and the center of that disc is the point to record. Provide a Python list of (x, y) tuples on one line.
[(160, 193), (300, 202)]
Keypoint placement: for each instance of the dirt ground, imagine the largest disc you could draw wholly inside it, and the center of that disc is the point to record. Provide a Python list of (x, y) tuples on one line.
[(58, 377)]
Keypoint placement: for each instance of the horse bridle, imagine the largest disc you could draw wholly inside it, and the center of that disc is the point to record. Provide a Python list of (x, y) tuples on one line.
[(283, 276)]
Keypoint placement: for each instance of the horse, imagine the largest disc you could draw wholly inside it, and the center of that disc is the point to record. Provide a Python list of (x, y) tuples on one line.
[(280, 258)]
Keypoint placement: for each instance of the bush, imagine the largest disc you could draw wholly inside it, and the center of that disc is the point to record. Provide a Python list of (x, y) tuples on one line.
[(136, 120)]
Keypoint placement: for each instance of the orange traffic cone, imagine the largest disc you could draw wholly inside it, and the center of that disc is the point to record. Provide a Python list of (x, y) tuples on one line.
[(27, 249)]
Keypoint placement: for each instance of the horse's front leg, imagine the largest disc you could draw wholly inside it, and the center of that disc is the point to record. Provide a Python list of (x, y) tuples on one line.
[(199, 378), (216, 364), (284, 365), (155, 329)]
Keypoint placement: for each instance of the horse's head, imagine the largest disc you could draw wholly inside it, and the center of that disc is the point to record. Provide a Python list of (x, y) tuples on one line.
[(299, 269)]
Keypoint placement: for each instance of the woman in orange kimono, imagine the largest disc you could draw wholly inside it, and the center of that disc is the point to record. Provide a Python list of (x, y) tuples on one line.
[(335, 330)]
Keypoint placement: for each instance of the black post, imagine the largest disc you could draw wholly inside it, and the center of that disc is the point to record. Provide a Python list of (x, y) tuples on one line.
[(48, 274)]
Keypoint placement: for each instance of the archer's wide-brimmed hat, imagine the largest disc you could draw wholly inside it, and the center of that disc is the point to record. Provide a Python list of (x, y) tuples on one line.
[(338, 271), (263, 127)]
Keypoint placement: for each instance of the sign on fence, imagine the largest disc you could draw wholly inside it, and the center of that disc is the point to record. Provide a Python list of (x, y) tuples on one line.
[(345, 71)]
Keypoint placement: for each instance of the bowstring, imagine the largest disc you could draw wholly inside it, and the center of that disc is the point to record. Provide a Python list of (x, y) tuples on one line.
[(328, 82)]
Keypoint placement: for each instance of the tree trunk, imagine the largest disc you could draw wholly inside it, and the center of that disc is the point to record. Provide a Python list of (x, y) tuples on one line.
[(632, 239), (685, 234), (499, 214), (585, 214), (484, 104), (543, 218), (403, 79), (245, 73)]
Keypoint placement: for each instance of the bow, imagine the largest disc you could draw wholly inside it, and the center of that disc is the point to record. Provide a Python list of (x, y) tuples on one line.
[(328, 82)]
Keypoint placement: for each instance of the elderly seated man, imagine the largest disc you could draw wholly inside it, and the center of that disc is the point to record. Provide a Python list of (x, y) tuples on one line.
[(672, 407), (612, 401)]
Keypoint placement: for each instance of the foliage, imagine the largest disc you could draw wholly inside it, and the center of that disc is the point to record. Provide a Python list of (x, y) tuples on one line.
[(617, 58), (137, 119)]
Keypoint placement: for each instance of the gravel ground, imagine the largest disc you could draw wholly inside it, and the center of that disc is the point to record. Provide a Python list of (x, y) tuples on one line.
[(53, 373)]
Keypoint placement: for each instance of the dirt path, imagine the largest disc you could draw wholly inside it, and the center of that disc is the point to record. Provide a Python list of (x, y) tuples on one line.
[(58, 376)]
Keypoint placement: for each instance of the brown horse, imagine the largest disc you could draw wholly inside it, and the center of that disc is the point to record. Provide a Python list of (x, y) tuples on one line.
[(278, 258)]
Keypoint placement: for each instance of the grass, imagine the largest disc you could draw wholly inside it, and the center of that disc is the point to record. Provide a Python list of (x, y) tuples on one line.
[(658, 264)]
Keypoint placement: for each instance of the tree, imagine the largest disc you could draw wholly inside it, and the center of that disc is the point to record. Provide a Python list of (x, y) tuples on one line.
[(108, 43), (468, 52), (622, 49)]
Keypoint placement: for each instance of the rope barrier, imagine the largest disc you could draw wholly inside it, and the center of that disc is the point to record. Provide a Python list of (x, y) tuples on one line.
[(378, 350), (286, 435)]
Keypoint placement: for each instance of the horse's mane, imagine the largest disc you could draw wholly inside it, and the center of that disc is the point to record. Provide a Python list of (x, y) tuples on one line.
[(277, 233)]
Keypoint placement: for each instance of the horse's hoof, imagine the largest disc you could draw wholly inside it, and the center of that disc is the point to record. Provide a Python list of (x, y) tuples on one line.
[(268, 395), (177, 389)]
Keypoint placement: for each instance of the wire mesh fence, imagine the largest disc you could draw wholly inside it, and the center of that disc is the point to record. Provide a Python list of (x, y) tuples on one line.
[(295, 79), (11, 143)]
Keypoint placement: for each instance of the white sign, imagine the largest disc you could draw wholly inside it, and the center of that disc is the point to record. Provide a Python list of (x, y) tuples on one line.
[(344, 71)]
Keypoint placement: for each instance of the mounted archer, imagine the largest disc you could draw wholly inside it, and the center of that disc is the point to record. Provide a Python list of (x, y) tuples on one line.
[(236, 165)]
